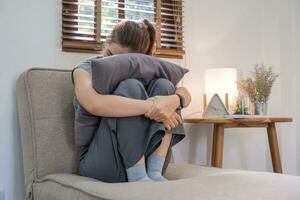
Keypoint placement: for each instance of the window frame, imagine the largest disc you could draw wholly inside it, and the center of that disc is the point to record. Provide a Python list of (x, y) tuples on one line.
[(69, 45)]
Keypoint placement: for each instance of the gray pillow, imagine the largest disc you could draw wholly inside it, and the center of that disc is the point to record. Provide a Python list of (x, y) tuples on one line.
[(108, 72)]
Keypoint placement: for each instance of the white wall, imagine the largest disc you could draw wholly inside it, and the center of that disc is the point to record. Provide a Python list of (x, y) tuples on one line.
[(239, 34), (222, 34), (229, 33), (30, 37), (296, 53)]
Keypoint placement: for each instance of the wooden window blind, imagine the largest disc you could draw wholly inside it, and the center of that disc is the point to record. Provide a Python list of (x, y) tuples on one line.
[(86, 23)]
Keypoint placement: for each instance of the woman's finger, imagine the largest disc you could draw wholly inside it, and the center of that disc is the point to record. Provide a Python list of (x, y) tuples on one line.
[(158, 119), (161, 114), (178, 118), (175, 122), (171, 123), (167, 126), (163, 117)]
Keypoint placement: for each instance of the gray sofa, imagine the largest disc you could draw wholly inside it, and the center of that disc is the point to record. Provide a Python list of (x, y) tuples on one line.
[(50, 157)]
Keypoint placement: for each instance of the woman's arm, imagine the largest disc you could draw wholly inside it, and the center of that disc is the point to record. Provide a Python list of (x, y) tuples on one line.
[(106, 105), (162, 111), (186, 94), (111, 105)]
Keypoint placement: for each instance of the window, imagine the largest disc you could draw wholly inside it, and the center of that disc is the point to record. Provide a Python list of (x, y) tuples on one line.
[(86, 23)]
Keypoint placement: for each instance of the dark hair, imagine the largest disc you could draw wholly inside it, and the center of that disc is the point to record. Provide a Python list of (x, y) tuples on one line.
[(138, 37)]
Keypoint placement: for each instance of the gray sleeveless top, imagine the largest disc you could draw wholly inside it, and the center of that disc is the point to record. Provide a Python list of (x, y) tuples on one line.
[(86, 65)]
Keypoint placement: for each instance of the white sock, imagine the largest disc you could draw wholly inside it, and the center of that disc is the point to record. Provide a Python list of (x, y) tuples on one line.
[(155, 164), (137, 173)]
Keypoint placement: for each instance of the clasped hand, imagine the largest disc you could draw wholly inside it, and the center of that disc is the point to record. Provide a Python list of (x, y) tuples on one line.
[(163, 110)]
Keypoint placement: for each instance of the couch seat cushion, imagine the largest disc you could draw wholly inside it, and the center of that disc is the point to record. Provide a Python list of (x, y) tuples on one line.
[(194, 183)]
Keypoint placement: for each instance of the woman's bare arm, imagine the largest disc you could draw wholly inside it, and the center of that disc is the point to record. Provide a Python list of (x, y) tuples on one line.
[(162, 110), (106, 105), (186, 94)]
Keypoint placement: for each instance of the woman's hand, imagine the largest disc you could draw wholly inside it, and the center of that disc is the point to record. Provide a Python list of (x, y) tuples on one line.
[(186, 94), (163, 110), (163, 107), (173, 121)]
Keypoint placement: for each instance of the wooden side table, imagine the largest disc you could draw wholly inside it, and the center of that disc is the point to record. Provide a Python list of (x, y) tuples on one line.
[(250, 121)]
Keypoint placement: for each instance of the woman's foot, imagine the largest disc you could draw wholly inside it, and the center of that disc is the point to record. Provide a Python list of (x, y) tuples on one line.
[(137, 173), (155, 164)]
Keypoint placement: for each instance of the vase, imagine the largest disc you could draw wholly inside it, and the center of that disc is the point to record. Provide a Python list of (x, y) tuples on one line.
[(261, 108), (252, 108)]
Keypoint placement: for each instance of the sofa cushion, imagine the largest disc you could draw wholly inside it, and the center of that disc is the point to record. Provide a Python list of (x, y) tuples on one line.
[(206, 183), (46, 118)]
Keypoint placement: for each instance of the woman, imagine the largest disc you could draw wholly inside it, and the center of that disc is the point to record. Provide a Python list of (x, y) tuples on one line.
[(146, 118)]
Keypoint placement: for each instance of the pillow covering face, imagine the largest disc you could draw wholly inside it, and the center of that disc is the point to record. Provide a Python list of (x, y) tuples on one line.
[(108, 72)]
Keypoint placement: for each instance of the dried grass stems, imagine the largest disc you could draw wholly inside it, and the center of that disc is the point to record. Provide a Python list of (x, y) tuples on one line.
[(258, 87)]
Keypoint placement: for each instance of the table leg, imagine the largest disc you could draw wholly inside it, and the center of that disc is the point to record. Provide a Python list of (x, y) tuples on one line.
[(214, 146), (273, 143), (218, 142)]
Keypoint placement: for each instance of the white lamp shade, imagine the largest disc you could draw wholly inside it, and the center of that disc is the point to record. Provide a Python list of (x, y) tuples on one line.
[(221, 81)]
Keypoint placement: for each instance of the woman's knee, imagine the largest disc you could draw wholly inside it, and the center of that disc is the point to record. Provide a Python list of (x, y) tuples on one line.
[(161, 86), (131, 88)]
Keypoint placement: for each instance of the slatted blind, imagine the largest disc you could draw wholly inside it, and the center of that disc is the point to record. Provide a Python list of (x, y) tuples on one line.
[(86, 23)]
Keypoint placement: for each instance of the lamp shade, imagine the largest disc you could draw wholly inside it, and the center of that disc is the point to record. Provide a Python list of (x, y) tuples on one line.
[(221, 81)]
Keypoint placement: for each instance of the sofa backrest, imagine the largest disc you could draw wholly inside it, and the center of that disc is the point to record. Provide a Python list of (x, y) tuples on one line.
[(46, 118)]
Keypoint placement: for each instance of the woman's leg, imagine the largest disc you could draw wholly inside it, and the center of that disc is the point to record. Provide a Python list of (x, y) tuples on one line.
[(121, 143), (156, 160), (134, 133), (116, 151), (163, 148)]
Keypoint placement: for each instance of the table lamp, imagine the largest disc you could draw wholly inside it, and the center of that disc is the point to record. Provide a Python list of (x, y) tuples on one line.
[(222, 81)]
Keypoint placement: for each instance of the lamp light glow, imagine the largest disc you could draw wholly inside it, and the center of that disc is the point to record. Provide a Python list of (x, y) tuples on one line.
[(221, 81)]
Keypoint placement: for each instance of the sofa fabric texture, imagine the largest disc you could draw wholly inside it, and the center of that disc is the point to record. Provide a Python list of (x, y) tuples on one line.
[(203, 184), (46, 117)]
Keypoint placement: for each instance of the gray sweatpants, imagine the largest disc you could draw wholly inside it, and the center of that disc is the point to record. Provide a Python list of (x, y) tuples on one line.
[(120, 142)]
